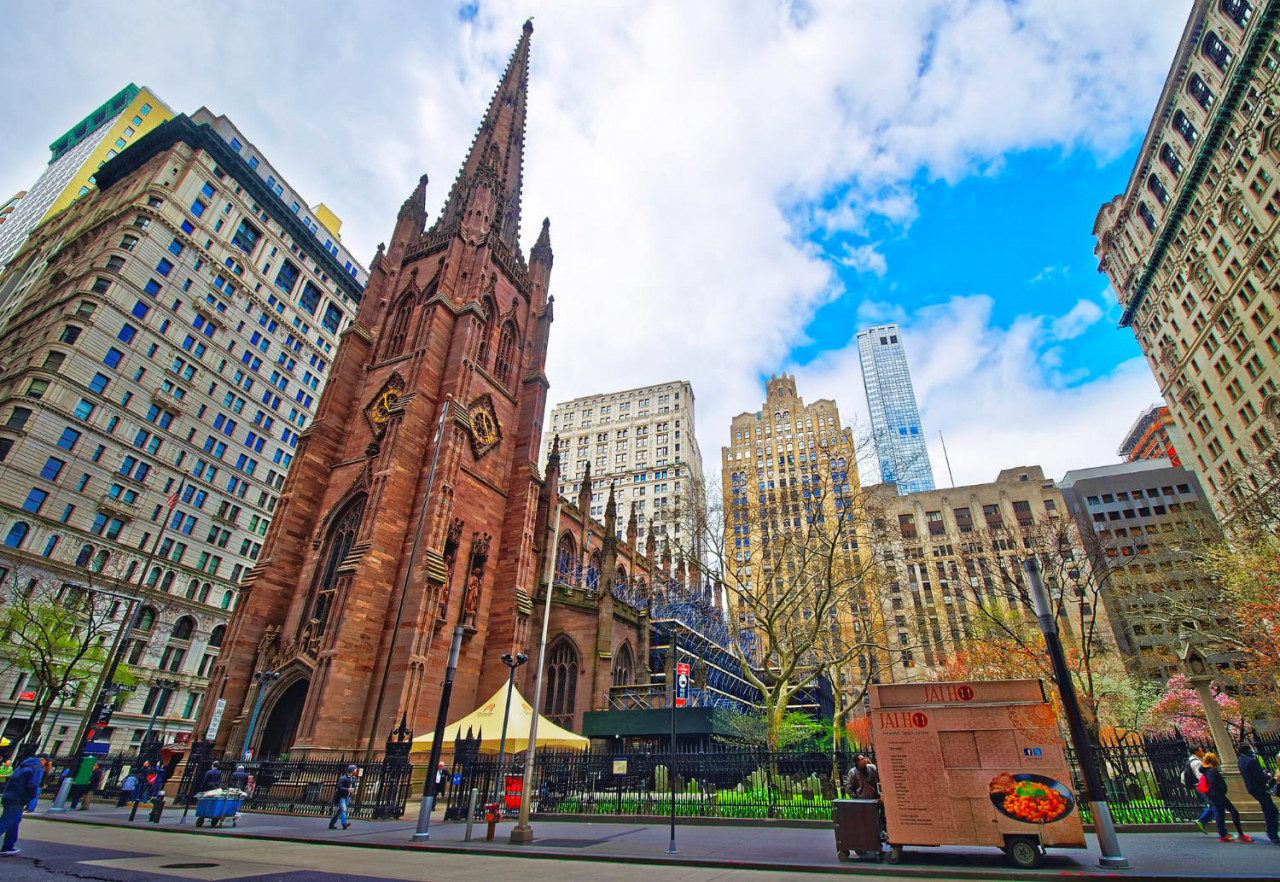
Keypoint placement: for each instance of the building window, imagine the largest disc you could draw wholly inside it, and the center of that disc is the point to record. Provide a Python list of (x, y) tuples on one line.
[(1216, 50), (1184, 127), (1238, 11), (506, 352), (287, 277), (562, 682), (1157, 189), (17, 535), (1171, 160), (1200, 91), (1148, 219)]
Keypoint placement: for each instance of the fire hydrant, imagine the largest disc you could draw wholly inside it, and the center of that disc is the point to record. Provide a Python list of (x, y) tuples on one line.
[(491, 816)]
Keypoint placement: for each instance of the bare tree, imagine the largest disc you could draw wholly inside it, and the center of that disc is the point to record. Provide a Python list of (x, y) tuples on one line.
[(803, 589)]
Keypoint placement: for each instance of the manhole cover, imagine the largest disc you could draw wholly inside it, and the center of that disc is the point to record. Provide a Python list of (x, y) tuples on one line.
[(186, 866)]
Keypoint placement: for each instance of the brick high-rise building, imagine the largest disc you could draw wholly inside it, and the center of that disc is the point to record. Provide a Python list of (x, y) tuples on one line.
[(413, 502), (1190, 246)]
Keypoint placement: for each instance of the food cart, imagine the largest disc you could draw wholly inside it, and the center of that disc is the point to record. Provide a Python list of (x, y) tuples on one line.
[(979, 764)]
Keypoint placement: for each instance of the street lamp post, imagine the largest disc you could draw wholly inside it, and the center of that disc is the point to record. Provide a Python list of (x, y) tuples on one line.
[(1108, 842), (429, 785), (522, 832), (264, 679), (165, 687), (63, 695), (511, 663)]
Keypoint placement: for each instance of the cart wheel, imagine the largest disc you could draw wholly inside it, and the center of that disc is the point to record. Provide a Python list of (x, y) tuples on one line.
[(843, 856), (199, 822), (895, 855), (1023, 853)]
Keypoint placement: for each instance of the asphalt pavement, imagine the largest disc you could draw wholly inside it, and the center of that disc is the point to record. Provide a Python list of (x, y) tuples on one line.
[(630, 846)]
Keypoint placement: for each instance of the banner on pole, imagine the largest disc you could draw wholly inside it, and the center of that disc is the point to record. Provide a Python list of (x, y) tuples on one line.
[(682, 684), (216, 719)]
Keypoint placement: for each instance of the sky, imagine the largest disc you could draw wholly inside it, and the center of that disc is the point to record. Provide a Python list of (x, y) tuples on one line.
[(734, 188)]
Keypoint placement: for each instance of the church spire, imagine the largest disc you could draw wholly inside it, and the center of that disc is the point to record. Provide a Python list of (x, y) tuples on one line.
[(497, 151)]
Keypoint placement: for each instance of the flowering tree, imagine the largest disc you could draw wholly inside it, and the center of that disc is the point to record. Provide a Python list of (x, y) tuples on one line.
[(1180, 707)]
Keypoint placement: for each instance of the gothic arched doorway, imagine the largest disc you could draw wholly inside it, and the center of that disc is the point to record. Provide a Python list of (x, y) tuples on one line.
[(281, 724)]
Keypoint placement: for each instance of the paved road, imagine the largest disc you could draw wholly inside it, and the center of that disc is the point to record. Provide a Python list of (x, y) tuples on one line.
[(111, 854), (274, 846)]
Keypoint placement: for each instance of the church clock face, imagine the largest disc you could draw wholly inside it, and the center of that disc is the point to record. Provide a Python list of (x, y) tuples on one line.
[(378, 411), (486, 434)]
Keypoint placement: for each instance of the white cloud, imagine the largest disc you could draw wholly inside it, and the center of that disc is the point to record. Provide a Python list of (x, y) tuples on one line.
[(1082, 316), (685, 152), (864, 259), (996, 394)]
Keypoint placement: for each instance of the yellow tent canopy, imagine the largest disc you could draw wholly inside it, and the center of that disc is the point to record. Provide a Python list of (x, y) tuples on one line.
[(485, 723)]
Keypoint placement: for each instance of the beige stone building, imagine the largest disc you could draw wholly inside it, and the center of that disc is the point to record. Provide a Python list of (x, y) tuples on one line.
[(643, 442), (1190, 246), (790, 476), (954, 557), (166, 340)]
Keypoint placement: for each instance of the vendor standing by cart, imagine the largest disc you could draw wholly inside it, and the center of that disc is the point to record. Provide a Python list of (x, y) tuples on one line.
[(863, 780)]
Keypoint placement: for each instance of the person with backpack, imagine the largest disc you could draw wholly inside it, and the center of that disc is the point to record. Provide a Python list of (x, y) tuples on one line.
[(1214, 786), (341, 793), (1260, 783), (127, 786), (19, 796), (1191, 770)]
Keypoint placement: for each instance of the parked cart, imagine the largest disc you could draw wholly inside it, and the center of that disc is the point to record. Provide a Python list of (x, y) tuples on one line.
[(217, 806), (973, 764), (857, 823)]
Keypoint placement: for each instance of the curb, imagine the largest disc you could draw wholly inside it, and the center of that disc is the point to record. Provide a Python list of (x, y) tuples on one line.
[(867, 868)]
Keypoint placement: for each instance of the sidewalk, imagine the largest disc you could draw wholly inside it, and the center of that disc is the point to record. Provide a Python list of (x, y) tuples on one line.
[(1163, 856)]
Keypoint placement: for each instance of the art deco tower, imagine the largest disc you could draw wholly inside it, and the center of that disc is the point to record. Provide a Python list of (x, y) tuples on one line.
[(385, 538)]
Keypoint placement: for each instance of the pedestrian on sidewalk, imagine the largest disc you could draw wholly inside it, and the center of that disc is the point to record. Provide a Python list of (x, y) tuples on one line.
[(211, 780), (157, 795), (146, 780), (1191, 772), (341, 793), (1260, 783), (20, 795), (1217, 792), (95, 782), (239, 779), (127, 787), (442, 781)]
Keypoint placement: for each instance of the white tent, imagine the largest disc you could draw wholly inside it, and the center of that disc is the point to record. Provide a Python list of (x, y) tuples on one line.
[(485, 723)]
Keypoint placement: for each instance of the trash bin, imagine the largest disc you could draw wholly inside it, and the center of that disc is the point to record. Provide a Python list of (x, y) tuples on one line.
[(857, 824)]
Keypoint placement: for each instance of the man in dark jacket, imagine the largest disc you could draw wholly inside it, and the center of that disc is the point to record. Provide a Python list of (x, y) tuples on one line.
[(341, 793), (212, 780), (1258, 781), (19, 796), (239, 779)]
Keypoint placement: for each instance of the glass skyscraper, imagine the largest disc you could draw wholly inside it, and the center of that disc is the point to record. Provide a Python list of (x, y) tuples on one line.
[(895, 419)]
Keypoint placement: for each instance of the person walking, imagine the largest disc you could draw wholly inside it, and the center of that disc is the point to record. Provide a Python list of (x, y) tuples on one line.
[(442, 781), (341, 793), (239, 779), (6, 770), (1215, 787), (211, 780), (145, 781), (1191, 772), (1260, 782), (127, 786), (20, 795), (95, 782), (157, 795)]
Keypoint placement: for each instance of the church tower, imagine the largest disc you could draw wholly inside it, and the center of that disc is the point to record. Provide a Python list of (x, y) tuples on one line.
[(411, 502)]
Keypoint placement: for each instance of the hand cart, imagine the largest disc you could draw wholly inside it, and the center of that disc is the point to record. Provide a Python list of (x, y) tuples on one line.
[(217, 809)]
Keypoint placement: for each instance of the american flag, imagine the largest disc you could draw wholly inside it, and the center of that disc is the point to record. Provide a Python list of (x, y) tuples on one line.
[(173, 500)]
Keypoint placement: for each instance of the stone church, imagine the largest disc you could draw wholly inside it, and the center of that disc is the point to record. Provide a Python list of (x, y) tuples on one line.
[(414, 503)]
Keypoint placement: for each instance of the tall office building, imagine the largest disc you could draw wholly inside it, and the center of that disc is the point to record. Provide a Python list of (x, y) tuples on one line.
[(643, 442), (1152, 436), (955, 555), (168, 338), (76, 156), (1141, 516), (1190, 246), (895, 419)]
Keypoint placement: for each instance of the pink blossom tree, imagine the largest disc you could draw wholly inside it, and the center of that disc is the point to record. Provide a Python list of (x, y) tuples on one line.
[(1180, 707)]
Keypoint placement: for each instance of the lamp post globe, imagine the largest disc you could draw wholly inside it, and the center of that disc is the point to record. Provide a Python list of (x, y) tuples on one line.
[(512, 663)]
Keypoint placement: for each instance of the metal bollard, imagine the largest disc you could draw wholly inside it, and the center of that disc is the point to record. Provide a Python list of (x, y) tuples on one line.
[(471, 813)]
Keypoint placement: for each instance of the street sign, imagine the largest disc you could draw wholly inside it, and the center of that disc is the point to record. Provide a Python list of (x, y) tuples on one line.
[(98, 748), (26, 696), (215, 719), (682, 684)]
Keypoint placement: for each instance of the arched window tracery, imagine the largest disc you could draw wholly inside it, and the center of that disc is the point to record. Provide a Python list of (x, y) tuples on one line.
[(342, 535), (562, 682), (505, 359)]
